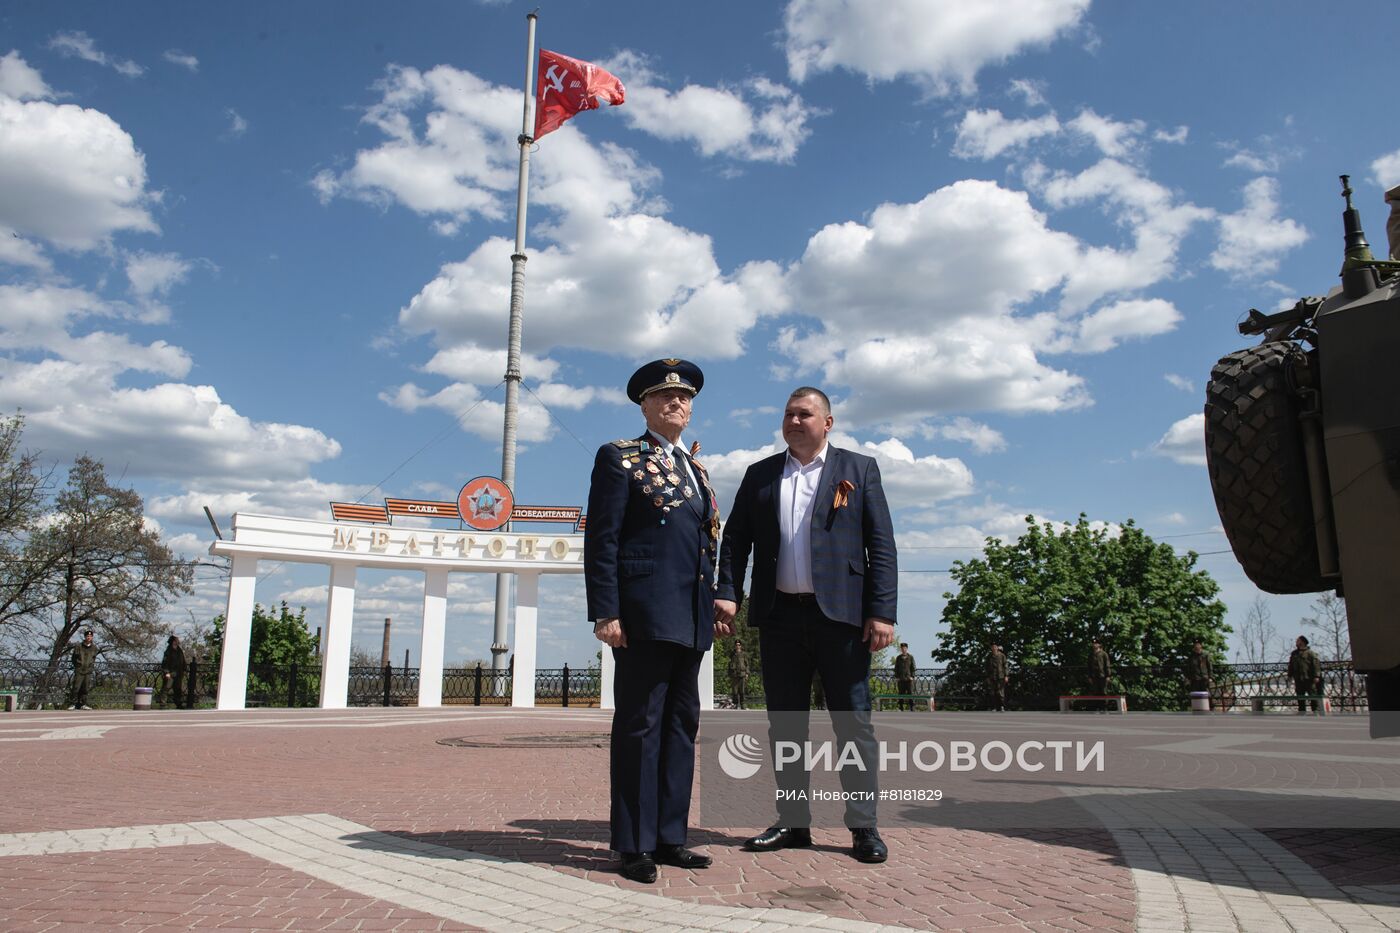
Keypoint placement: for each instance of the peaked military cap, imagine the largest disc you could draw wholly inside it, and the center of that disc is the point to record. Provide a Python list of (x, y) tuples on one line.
[(665, 374)]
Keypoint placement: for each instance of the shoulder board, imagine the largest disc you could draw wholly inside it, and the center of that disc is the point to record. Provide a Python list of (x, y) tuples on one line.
[(626, 445)]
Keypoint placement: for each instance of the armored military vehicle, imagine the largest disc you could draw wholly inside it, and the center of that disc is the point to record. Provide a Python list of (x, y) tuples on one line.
[(1303, 450)]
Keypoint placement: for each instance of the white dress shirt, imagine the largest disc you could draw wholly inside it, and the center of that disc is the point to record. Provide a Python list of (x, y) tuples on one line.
[(798, 497), (669, 450)]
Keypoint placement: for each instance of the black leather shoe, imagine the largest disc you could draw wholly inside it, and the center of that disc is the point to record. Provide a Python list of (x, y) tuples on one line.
[(639, 866), (867, 846), (681, 857), (779, 837)]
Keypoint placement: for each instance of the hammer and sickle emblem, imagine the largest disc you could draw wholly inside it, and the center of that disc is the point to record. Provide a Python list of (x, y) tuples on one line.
[(555, 79)]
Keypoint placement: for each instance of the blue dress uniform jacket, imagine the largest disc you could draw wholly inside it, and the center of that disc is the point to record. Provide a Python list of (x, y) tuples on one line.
[(649, 549), (854, 563)]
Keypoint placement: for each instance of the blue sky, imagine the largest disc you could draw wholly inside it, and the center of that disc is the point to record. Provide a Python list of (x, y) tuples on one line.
[(256, 256)]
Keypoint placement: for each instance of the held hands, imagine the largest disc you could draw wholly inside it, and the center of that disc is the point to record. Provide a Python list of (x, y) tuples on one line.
[(725, 610), (878, 634), (610, 633)]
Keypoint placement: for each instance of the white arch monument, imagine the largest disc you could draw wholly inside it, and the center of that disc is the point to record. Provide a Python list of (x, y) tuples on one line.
[(435, 552)]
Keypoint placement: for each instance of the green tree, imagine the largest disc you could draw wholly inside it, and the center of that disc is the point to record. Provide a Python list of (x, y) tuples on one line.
[(279, 639), (102, 568), (24, 491), (1046, 597)]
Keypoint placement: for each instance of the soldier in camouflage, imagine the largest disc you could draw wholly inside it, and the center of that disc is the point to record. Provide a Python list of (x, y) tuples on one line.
[(738, 674), (1198, 670), (84, 659), (904, 675), (997, 677), (1306, 671)]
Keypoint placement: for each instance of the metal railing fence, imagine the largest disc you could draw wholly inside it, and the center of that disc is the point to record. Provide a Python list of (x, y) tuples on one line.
[(1158, 687)]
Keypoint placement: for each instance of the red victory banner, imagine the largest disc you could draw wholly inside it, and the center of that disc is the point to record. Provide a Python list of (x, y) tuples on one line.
[(567, 86)]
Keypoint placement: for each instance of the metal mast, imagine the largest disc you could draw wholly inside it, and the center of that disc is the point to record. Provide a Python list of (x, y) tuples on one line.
[(499, 645)]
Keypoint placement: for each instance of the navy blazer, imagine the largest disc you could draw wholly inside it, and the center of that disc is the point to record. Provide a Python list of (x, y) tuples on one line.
[(854, 565), (648, 548)]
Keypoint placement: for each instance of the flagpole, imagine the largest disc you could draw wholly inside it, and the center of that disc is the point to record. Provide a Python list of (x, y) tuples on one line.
[(499, 645)]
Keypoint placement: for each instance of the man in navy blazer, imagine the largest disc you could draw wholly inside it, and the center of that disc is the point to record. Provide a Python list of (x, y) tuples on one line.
[(649, 551), (823, 599)]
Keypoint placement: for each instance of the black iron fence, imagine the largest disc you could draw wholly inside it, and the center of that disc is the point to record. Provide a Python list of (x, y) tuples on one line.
[(1235, 686), (1147, 688), (114, 683)]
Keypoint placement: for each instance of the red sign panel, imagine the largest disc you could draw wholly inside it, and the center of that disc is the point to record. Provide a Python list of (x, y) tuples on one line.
[(568, 514), (358, 512), (421, 507), (485, 503)]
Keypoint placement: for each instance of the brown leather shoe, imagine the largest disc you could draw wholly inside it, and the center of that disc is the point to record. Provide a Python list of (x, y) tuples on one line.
[(681, 857), (779, 837)]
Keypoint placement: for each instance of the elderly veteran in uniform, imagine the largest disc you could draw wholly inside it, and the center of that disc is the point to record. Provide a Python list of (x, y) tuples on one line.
[(649, 563)]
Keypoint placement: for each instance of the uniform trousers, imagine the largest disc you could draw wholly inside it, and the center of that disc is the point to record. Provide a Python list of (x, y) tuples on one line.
[(656, 689)]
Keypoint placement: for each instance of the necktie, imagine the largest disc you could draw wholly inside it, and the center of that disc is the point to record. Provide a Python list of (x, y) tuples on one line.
[(688, 476)]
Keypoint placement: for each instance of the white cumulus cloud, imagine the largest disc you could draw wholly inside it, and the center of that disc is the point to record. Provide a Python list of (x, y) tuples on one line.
[(759, 120), (941, 44), (183, 59), (71, 175), (1184, 441), (154, 274), (20, 81), (80, 45), (1106, 327), (1254, 238), (986, 134), (1115, 139), (1157, 221), (910, 481), (1386, 169), (1180, 382)]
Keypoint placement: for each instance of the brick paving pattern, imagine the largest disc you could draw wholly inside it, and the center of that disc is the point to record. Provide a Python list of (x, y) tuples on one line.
[(255, 820), (193, 887)]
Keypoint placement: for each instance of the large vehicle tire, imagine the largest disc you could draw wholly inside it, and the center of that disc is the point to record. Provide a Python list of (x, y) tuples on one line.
[(1254, 453)]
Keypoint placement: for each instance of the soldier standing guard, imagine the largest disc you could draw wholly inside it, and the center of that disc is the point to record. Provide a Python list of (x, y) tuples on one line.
[(1099, 671), (172, 673), (1306, 671), (84, 659), (1198, 671), (904, 675), (997, 677), (738, 674), (649, 569)]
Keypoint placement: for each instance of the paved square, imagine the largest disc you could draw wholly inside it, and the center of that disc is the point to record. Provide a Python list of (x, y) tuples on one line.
[(365, 820)]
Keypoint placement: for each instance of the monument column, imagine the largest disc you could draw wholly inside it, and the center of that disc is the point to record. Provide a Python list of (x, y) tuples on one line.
[(335, 661), (608, 672), (527, 599), (238, 632), (707, 680), (430, 650)]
